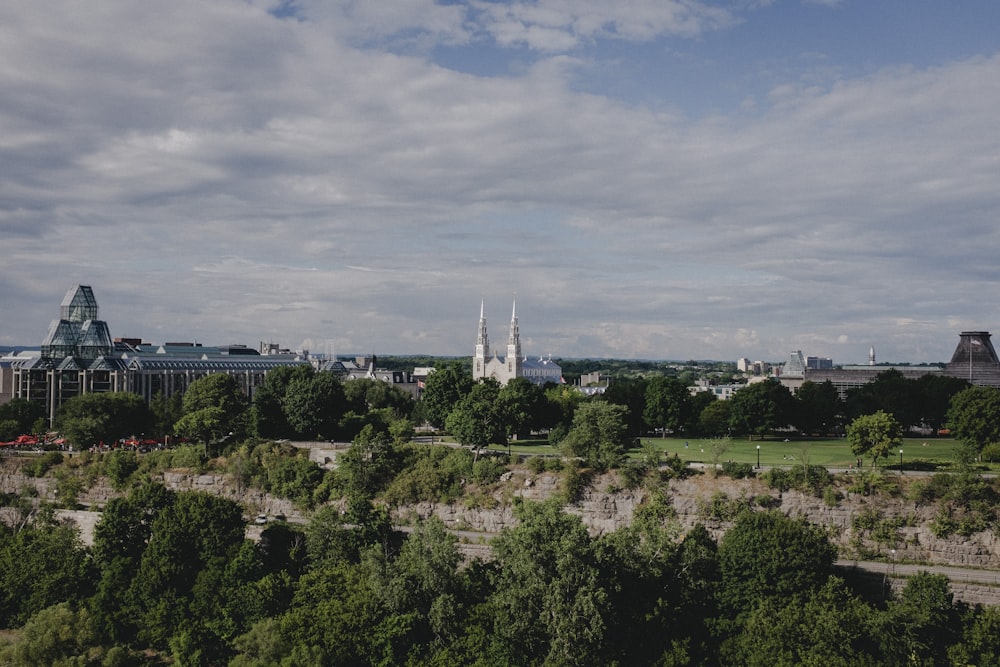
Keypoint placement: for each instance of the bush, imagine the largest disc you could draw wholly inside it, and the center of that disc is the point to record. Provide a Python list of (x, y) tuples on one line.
[(723, 508), (487, 470), (737, 470), (119, 466), (43, 463), (573, 482), (536, 464), (632, 474)]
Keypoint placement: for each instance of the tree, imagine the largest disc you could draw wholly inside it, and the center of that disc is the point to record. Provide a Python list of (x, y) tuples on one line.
[(523, 405), (364, 394), (268, 411), (923, 622), (88, 419), (165, 412), (974, 417), (876, 435), (817, 407), (368, 465), (714, 418), (206, 425), (667, 405), (41, 564), (935, 393), (18, 417), (477, 420), (760, 408), (547, 602), (829, 627), (598, 435), (767, 554), (57, 635), (222, 404), (890, 392), (313, 404), (443, 389), (562, 401), (631, 393)]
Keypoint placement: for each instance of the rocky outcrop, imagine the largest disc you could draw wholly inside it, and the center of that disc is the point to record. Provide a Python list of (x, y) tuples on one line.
[(894, 528)]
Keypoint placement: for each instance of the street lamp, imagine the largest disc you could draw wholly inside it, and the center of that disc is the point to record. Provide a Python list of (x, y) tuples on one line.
[(758, 457), (901, 460)]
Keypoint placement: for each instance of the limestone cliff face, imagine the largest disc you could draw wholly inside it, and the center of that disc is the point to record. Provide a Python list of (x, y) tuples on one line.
[(892, 522)]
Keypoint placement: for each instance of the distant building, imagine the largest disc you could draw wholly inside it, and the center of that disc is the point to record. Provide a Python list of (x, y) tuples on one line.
[(795, 367), (78, 356), (818, 363), (512, 365), (722, 392), (974, 360)]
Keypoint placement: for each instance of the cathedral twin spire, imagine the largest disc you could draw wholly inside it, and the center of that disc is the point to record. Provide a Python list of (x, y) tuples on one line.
[(491, 365)]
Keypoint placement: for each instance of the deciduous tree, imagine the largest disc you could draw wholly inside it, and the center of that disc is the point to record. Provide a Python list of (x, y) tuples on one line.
[(598, 435), (90, 419), (876, 435), (974, 417), (443, 389)]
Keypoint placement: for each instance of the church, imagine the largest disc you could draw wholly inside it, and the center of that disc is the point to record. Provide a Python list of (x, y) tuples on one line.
[(513, 364)]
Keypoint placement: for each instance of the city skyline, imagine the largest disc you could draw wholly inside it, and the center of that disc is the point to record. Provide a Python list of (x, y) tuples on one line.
[(652, 179)]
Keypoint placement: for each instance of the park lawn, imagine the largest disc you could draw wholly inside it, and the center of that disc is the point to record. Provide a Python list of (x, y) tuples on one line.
[(918, 453), (922, 453)]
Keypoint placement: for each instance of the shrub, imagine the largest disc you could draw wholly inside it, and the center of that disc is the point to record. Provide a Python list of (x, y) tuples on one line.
[(487, 470), (573, 482), (43, 463), (119, 466), (737, 470), (720, 506), (632, 474), (536, 464)]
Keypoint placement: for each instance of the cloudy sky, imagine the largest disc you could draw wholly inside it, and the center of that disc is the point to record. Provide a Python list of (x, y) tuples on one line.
[(664, 179)]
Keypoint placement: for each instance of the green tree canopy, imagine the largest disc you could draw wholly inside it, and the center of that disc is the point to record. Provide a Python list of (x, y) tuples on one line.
[(523, 405), (667, 405), (630, 392), (767, 554), (314, 403), (817, 408), (714, 418), (598, 434), (443, 389), (89, 419), (891, 392), (877, 435), (760, 408), (974, 417), (547, 604), (18, 417), (221, 394), (478, 419)]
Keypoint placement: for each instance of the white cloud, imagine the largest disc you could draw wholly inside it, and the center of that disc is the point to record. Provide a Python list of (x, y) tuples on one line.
[(227, 177)]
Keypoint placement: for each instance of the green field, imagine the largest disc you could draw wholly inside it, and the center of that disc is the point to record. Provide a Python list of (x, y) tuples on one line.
[(918, 453)]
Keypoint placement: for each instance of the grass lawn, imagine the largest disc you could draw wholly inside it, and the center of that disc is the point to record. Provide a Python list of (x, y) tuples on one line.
[(918, 453)]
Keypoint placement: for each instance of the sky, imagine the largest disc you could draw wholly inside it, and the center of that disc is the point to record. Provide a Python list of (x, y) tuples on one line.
[(654, 179)]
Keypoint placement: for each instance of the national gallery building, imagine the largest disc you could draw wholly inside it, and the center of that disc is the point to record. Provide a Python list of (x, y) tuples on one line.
[(78, 356)]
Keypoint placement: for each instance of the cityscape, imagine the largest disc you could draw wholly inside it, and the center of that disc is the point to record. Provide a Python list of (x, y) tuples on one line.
[(501, 333)]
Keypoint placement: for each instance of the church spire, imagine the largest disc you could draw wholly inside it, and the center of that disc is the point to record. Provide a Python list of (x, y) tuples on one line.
[(514, 338), (482, 340)]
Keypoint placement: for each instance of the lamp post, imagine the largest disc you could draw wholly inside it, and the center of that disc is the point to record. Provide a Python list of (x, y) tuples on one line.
[(758, 457), (901, 460)]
